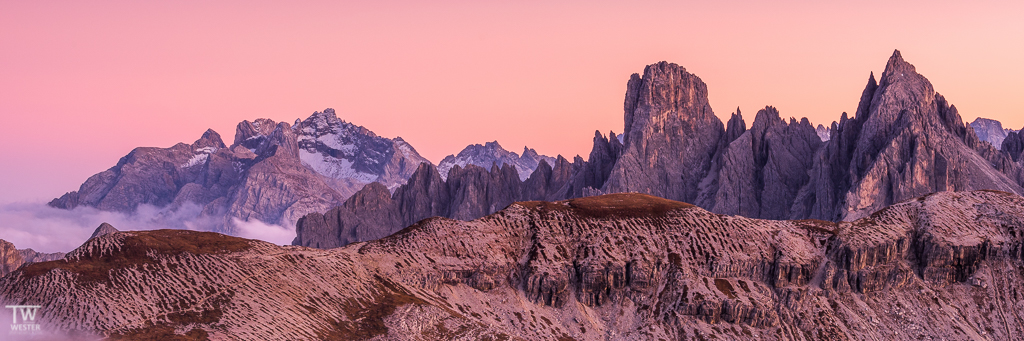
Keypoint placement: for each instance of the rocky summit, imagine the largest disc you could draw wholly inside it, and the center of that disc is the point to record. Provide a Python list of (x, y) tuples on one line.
[(491, 153), (274, 172), (991, 131), (622, 266), (904, 141)]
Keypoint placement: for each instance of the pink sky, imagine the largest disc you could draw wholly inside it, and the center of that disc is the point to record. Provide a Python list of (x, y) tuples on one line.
[(84, 82)]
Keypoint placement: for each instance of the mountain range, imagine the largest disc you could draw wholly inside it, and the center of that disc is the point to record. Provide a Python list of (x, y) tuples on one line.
[(492, 153), (900, 223), (272, 172), (904, 141)]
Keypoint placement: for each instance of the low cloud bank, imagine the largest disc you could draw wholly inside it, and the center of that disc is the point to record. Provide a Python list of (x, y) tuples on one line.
[(47, 229), (255, 229)]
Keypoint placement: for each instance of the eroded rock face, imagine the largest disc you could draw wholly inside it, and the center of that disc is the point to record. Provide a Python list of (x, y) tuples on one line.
[(990, 131), (374, 212), (760, 172), (670, 137), (621, 266), (1013, 145), (102, 230), (11, 258), (273, 172), (905, 141)]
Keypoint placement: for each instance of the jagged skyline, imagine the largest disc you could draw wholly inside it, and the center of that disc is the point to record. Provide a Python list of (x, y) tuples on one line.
[(111, 77)]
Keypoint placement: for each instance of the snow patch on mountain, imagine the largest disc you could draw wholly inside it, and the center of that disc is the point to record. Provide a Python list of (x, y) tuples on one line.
[(491, 153), (338, 168)]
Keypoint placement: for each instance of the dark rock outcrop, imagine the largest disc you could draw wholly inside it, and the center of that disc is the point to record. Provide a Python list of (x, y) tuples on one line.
[(904, 142), (102, 230), (671, 135), (374, 212), (1013, 145), (760, 173)]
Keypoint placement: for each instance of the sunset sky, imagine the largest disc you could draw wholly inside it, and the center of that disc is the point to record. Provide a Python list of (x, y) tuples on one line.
[(84, 82)]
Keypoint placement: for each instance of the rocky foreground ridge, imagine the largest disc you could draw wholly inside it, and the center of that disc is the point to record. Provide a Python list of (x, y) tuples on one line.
[(624, 266), (904, 141), (273, 172), (12, 258)]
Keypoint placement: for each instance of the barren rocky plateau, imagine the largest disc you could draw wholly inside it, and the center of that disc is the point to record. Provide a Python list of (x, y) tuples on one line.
[(945, 266)]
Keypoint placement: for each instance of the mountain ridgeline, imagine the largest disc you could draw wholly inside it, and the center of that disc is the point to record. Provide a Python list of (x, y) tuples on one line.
[(273, 172), (904, 141)]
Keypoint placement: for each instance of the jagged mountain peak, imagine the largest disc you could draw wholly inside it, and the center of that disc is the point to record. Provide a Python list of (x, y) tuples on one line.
[(102, 230), (274, 172), (824, 133), (735, 127), (210, 138), (904, 142), (897, 64), (678, 95), (491, 153), (990, 131), (668, 122)]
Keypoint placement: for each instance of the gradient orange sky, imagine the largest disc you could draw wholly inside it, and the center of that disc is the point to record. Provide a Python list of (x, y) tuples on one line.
[(84, 82)]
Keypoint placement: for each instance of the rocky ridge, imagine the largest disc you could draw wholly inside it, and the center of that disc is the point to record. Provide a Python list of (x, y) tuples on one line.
[(273, 172), (904, 141), (102, 230), (12, 258), (621, 266), (491, 153), (824, 133)]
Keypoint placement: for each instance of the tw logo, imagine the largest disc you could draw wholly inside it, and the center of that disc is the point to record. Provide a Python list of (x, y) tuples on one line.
[(28, 312)]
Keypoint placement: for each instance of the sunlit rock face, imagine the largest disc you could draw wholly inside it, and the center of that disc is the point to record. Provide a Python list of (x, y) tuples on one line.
[(904, 141), (991, 131), (273, 172), (619, 266)]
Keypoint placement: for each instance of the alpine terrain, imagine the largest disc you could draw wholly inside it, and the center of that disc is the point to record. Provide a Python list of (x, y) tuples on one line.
[(273, 172), (904, 141), (619, 266)]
